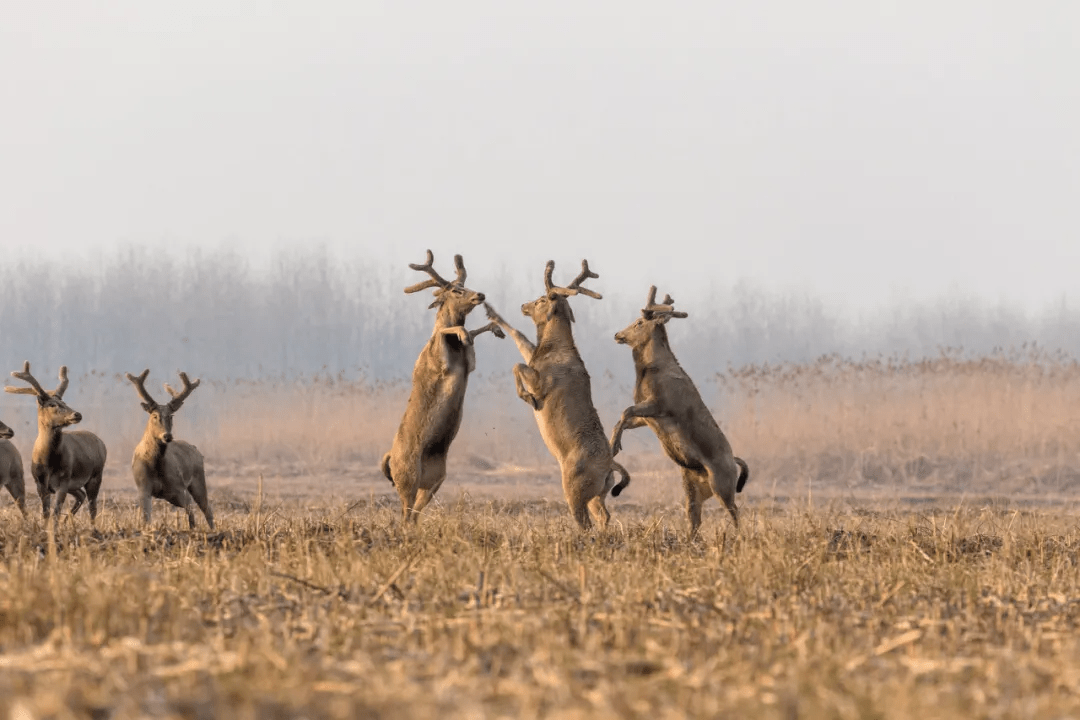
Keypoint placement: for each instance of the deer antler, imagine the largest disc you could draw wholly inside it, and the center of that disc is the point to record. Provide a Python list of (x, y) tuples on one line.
[(575, 287), (34, 389), (178, 398), (584, 275), (62, 387), (140, 385), (548, 270), (436, 279), (459, 265), (652, 310)]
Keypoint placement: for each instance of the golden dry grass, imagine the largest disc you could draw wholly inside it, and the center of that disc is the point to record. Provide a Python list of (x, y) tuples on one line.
[(502, 609), (909, 547)]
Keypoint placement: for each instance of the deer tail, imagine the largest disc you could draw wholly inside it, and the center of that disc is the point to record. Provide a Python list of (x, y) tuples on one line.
[(625, 479), (744, 474), (385, 465)]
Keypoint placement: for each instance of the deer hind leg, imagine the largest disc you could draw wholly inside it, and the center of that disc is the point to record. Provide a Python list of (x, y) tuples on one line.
[(576, 499), (695, 496), (79, 496), (432, 480), (723, 486), (93, 487), (188, 510), (406, 480), (17, 488), (198, 493), (599, 511)]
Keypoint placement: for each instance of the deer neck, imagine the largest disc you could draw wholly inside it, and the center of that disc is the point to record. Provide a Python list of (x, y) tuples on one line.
[(150, 449), (448, 318), (49, 441), (655, 352), (555, 333)]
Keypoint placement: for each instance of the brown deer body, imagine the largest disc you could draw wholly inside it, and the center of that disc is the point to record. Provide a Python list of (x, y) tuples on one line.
[(666, 399), (416, 463), (62, 462), (163, 467), (555, 383), (11, 468)]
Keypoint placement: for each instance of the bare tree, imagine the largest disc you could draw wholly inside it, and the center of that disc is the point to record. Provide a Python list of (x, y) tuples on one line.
[(555, 383), (62, 462), (416, 463), (11, 468), (165, 468), (666, 400)]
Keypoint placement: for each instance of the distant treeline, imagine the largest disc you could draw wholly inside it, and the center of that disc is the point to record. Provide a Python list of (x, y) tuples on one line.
[(312, 312)]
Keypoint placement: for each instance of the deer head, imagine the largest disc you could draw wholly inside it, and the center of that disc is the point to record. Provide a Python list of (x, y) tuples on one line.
[(452, 298), (161, 416), (53, 412), (653, 316), (6, 433), (553, 301)]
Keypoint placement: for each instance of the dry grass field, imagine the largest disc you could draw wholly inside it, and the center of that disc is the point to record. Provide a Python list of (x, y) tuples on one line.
[(909, 546)]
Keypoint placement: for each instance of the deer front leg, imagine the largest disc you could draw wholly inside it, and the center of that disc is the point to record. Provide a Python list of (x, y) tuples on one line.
[(632, 417), (529, 385), (459, 331), (524, 345), (492, 327)]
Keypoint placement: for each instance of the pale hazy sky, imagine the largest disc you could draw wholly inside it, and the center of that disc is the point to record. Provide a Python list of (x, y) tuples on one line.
[(864, 150)]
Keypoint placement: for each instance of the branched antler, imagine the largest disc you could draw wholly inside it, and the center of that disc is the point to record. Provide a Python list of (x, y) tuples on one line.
[(575, 287), (436, 280), (178, 398), (652, 310), (140, 385), (35, 387)]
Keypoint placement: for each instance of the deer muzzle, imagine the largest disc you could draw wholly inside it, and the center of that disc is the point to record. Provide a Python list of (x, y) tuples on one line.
[(620, 338), (167, 437), (6, 433), (76, 417)]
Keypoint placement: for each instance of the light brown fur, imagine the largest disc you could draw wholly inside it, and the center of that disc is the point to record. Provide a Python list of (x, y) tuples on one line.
[(556, 385), (666, 399), (416, 463), (62, 462), (165, 468), (11, 468)]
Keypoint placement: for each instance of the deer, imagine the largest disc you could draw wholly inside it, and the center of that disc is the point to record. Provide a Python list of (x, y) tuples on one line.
[(666, 399), (553, 381), (416, 463), (163, 467), (62, 462), (11, 468)]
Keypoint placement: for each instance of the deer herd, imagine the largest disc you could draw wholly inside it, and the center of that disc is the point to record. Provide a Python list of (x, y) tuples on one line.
[(552, 380)]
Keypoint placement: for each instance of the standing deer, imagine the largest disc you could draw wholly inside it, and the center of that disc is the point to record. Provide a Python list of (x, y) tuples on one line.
[(165, 468), (416, 463), (11, 469), (555, 383), (666, 400), (62, 462)]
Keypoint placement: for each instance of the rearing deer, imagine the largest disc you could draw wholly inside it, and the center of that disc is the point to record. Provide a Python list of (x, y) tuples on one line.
[(668, 402), (62, 462), (11, 469), (165, 468), (416, 463), (556, 385)]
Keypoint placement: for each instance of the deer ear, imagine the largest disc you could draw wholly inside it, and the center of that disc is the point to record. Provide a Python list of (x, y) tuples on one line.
[(148, 407)]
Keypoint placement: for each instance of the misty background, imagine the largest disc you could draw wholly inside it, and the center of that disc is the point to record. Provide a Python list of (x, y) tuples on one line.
[(237, 189)]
